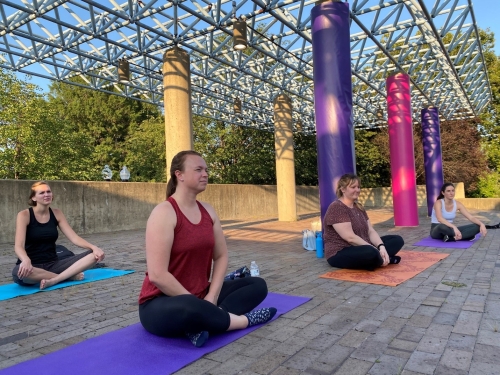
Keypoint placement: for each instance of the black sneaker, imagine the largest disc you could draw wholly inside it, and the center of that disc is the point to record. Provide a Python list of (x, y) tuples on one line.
[(239, 273), (496, 226), (447, 238), (198, 339), (394, 259)]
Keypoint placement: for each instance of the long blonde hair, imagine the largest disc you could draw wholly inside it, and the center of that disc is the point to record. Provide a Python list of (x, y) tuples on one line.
[(31, 202), (347, 180)]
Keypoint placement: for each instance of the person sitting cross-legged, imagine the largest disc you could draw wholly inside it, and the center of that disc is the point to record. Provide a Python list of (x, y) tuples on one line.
[(35, 243), (349, 238), (183, 239), (444, 212)]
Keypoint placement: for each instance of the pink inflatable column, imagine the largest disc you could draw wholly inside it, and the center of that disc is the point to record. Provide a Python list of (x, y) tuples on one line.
[(404, 187)]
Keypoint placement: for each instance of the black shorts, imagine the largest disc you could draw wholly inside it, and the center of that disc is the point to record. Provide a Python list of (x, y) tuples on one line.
[(56, 266)]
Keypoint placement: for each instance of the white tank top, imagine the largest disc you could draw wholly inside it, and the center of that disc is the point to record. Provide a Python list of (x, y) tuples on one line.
[(450, 216)]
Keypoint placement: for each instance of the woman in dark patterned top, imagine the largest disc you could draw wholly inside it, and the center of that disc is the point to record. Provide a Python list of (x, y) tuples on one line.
[(349, 238)]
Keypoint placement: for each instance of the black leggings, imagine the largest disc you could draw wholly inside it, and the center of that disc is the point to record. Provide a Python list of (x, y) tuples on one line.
[(438, 231), (366, 257), (173, 316)]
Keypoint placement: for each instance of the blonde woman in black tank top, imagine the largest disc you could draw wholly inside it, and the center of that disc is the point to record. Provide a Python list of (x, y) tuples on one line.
[(35, 242)]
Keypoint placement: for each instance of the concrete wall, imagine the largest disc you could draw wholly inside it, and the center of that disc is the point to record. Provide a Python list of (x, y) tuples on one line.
[(382, 197), (481, 204), (93, 207), (90, 207)]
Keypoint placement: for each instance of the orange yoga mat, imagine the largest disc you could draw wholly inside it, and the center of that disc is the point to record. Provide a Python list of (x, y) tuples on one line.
[(412, 263)]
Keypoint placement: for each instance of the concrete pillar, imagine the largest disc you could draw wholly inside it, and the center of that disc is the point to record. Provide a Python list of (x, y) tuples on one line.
[(399, 118), (332, 96), (177, 101), (433, 162), (285, 164)]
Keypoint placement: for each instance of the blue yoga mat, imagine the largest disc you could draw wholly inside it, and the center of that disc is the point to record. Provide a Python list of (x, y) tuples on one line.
[(133, 351), (13, 290)]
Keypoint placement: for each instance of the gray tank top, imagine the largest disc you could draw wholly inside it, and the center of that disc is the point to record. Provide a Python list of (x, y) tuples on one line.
[(450, 216)]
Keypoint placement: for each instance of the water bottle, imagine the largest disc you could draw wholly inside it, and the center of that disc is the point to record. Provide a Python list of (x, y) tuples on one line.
[(254, 269), (319, 244)]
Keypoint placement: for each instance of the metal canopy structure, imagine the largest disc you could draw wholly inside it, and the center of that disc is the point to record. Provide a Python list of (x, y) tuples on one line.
[(435, 41)]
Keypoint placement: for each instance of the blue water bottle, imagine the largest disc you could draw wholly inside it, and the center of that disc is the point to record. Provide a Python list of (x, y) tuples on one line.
[(319, 244)]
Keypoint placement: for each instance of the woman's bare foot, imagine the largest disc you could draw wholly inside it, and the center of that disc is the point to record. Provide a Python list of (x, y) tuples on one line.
[(77, 277), (46, 283), (49, 282)]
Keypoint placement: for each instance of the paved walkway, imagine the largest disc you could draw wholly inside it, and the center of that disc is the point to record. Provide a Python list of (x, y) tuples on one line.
[(420, 327)]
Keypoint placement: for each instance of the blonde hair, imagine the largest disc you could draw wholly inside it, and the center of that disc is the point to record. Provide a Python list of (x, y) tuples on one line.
[(345, 181), (31, 202)]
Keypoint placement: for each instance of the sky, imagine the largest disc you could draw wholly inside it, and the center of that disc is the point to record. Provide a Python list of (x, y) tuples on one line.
[(486, 12)]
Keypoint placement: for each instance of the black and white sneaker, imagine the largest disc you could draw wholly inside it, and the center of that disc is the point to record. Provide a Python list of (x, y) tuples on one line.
[(198, 339), (260, 316)]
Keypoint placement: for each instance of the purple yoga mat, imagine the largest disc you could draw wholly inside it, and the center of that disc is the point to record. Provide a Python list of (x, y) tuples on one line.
[(134, 351), (431, 242)]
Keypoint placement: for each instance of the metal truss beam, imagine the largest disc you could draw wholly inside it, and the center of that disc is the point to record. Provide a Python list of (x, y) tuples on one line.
[(436, 42)]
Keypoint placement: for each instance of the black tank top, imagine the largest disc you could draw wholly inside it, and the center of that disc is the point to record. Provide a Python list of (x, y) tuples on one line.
[(40, 244)]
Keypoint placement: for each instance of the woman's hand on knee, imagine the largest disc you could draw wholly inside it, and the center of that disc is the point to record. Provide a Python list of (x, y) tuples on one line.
[(25, 269), (211, 298), (98, 253), (482, 229), (384, 255), (458, 234)]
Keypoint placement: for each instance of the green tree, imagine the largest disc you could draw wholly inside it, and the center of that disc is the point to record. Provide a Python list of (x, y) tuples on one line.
[(490, 122), (106, 119), (145, 151), (237, 155), (306, 159), (372, 163), (34, 144)]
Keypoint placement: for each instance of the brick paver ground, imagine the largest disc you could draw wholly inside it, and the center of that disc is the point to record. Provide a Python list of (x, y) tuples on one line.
[(420, 327)]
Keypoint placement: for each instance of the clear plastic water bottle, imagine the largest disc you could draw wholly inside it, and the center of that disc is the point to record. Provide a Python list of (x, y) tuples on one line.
[(319, 244), (254, 269)]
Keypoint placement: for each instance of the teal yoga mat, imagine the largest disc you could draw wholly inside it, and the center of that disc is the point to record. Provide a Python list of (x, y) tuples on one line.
[(13, 290)]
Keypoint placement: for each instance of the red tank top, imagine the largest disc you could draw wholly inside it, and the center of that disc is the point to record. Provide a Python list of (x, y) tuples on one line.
[(190, 257)]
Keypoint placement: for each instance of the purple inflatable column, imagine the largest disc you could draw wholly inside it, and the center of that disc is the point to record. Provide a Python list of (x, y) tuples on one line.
[(404, 186), (332, 96), (433, 163)]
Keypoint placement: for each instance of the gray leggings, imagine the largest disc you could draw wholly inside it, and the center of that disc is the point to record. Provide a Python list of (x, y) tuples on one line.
[(438, 231)]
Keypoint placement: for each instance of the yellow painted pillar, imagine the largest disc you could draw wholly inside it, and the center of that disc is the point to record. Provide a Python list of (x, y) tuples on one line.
[(285, 164), (177, 101)]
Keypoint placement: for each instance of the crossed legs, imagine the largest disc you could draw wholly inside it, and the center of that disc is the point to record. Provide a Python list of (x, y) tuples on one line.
[(469, 231), (366, 257), (52, 273), (173, 316)]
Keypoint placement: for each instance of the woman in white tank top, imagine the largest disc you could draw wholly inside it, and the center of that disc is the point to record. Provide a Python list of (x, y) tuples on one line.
[(444, 212)]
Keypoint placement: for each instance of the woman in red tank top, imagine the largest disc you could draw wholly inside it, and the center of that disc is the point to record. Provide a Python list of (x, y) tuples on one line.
[(184, 245)]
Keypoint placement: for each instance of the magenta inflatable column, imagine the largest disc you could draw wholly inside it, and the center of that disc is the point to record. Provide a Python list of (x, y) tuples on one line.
[(404, 187), (433, 162), (332, 96)]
